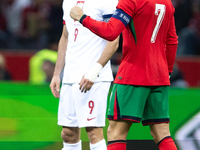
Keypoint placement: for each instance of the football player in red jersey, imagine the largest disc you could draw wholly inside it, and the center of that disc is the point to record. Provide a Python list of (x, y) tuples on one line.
[(141, 87)]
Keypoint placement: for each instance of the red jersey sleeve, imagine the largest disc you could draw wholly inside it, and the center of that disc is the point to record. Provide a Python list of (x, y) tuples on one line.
[(112, 29), (107, 30), (171, 45), (127, 6)]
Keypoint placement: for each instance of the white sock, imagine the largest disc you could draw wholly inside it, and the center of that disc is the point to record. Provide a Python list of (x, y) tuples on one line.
[(75, 146), (101, 145)]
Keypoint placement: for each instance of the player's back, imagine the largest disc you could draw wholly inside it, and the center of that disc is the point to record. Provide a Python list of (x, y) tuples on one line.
[(145, 56)]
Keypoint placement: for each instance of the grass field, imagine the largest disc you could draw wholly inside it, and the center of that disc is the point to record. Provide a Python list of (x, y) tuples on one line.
[(28, 117)]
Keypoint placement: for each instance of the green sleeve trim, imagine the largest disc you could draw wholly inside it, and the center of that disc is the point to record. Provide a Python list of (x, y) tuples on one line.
[(132, 28)]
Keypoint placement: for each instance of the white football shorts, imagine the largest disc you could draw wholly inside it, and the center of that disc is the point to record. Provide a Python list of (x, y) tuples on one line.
[(78, 109)]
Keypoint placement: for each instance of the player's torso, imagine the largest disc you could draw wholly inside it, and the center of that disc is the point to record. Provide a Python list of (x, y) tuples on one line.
[(78, 36), (144, 55), (84, 48)]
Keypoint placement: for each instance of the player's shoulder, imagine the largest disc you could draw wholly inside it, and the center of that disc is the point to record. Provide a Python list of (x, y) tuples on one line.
[(169, 6), (64, 4), (168, 3), (165, 2), (109, 2), (67, 3)]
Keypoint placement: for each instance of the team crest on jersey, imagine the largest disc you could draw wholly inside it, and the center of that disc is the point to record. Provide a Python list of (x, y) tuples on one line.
[(80, 4)]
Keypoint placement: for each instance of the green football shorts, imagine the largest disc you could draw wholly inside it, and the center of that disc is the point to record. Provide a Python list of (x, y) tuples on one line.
[(149, 104)]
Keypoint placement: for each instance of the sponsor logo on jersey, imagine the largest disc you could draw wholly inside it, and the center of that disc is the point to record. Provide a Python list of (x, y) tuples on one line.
[(119, 77), (89, 119), (80, 4)]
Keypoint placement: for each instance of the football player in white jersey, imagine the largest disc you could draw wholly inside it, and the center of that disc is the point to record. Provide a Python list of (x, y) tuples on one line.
[(83, 95)]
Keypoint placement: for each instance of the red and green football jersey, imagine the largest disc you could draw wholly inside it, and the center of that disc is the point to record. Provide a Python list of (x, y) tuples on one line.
[(149, 46)]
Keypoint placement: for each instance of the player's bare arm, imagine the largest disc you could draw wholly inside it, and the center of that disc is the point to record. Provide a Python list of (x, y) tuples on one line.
[(88, 79), (55, 82), (76, 13)]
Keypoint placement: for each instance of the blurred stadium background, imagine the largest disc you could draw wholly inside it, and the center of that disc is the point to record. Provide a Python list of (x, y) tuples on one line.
[(29, 34)]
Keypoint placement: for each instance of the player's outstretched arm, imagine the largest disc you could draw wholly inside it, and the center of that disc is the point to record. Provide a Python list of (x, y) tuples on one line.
[(107, 30), (89, 78), (62, 47)]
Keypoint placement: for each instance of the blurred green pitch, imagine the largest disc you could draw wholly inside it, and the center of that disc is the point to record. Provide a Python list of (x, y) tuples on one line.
[(28, 117)]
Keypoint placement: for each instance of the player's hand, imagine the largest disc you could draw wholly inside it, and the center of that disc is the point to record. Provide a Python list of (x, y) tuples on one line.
[(76, 13), (89, 78), (85, 84), (55, 86)]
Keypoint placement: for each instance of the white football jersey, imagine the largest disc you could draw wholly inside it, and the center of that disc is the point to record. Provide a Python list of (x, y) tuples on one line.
[(85, 48)]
